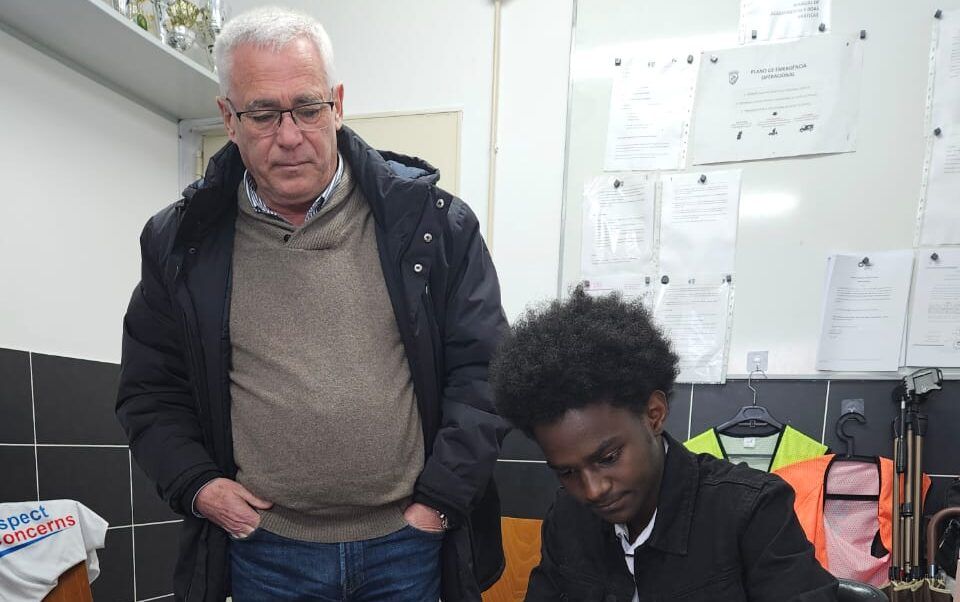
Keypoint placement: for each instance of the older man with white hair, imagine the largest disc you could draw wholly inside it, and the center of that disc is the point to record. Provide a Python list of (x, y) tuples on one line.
[(304, 370)]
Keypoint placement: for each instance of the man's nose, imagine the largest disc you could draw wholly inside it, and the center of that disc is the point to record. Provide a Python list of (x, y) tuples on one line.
[(595, 487), (288, 132)]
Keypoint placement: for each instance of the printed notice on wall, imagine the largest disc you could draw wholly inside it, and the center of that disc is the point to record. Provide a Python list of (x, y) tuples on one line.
[(698, 222), (864, 311), (778, 100), (650, 114), (941, 213), (766, 20), (934, 338), (631, 287), (695, 314), (618, 227)]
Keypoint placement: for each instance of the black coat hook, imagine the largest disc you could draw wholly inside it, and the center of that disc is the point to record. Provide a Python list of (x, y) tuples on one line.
[(842, 433)]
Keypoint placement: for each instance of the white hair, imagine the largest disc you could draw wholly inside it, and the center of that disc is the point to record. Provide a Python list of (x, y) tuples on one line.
[(273, 28)]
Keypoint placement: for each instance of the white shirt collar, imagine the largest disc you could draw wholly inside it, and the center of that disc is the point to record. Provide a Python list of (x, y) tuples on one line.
[(261, 207), (623, 532)]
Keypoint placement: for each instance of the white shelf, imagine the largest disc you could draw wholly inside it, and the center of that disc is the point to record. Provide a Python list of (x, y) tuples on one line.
[(94, 39)]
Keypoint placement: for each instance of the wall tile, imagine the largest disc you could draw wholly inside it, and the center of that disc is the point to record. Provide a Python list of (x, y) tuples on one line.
[(156, 556), (115, 583), (19, 481), (147, 505), (15, 397), (799, 403), (526, 489), (517, 446), (942, 445), (876, 436), (678, 418), (936, 496), (97, 477), (75, 401)]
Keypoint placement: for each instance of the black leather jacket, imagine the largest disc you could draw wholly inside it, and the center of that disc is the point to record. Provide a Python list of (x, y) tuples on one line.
[(174, 395), (723, 533)]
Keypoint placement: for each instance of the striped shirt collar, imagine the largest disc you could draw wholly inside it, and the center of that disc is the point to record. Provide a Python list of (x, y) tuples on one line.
[(261, 207)]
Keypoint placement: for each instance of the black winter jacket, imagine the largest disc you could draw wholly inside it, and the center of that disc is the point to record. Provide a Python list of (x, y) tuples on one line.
[(174, 394), (722, 533)]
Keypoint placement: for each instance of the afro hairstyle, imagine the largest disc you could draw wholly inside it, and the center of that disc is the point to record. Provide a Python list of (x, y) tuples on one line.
[(565, 355)]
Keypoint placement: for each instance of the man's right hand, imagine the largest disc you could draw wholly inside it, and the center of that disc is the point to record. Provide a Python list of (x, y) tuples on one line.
[(231, 505)]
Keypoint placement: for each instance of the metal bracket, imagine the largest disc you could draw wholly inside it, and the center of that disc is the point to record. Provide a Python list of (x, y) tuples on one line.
[(757, 360)]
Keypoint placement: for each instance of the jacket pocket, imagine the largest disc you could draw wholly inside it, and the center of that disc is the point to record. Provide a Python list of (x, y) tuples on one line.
[(724, 586), (577, 586)]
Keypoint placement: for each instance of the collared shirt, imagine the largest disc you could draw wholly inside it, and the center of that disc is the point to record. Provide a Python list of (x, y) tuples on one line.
[(623, 534), (261, 207)]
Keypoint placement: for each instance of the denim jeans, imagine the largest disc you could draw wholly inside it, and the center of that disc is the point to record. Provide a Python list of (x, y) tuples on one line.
[(403, 567)]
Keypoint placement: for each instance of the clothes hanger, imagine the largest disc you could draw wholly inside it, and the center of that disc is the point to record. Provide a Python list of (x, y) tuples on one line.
[(848, 439), (753, 415), (850, 456)]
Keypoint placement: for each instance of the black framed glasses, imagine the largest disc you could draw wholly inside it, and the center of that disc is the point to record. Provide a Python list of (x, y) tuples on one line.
[(308, 117)]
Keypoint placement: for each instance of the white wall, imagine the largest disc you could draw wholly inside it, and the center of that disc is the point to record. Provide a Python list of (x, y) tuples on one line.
[(82, 169), (405, 55), (534, 60)]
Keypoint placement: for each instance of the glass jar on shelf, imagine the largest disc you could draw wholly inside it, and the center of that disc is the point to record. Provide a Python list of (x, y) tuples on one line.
[(144, 13)]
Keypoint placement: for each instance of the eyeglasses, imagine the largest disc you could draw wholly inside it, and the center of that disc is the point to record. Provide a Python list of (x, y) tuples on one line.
[(264, 122)]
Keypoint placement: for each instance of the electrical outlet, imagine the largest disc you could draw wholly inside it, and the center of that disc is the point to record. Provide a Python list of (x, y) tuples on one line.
[(756, 360)]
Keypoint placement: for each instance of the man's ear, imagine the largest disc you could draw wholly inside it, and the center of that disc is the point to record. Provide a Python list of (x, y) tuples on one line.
[(657, 411), (229, 119), (338, 107)]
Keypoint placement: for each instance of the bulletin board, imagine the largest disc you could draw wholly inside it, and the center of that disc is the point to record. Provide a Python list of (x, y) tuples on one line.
[(794, 212)]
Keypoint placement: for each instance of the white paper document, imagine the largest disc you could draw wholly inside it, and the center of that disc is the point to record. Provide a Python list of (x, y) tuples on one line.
[(864, 311), (941, 213), (778, 100), (941, 208), (694, 315), (946, 77), (618, 226), (642, 288), (934, 338), (765, 20), (650, 114), (698, 222)]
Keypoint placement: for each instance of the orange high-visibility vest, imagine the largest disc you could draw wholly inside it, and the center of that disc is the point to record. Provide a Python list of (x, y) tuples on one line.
[(807, 479)]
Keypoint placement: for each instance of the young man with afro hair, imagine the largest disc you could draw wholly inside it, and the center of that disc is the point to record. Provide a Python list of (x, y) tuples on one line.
[(639, 517)]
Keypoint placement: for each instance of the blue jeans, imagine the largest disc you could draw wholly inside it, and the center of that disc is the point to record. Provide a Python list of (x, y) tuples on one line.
[(402, 566)]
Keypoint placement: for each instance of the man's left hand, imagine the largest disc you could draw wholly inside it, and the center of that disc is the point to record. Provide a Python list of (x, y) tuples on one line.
[(423, 518)]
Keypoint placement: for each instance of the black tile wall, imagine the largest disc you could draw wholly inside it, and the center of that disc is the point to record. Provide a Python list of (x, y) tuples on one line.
[(81, 454), (115, 582), (526, 489), (798, 403), (679, 416), (147, 505), (517, 446), (75, 401), (97, 477), (156, 557), (875, 437), (82, 451), (936, 496), (15, 397), (19, 482), (942, 445)]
